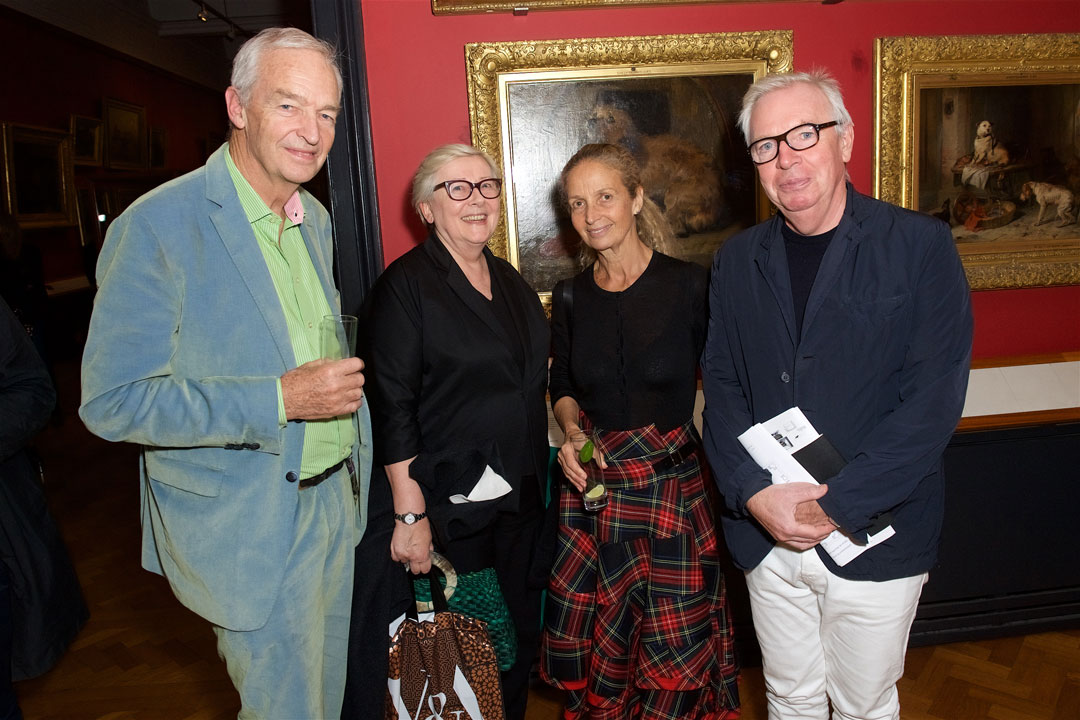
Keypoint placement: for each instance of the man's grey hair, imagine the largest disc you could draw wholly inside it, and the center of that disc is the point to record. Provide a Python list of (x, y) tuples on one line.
[(818, 78), (423, 186), (245, 69)]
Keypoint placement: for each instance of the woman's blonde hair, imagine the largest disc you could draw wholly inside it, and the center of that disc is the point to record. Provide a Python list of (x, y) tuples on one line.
[(652, 227)]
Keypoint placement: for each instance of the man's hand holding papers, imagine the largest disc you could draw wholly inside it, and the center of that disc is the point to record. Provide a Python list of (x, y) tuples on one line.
[(794, 453), (781, 508)]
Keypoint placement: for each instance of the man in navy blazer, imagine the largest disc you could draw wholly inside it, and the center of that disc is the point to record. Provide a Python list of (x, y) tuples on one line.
[(857, 312), (204, 349)]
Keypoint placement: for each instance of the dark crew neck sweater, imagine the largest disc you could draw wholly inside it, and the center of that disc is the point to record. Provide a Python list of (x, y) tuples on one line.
[(804, 253)]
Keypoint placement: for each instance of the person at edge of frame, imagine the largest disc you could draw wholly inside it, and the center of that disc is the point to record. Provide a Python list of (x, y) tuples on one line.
[(204, 349)]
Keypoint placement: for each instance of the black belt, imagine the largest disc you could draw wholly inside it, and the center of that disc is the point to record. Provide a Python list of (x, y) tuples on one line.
[(316, 479), (675, 459)]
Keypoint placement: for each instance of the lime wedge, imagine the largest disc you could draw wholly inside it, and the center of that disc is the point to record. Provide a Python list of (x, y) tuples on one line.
[(586, 451), (595, 492)]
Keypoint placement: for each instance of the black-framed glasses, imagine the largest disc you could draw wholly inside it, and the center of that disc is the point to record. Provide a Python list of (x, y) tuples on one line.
[(463, 189), (800, 137)]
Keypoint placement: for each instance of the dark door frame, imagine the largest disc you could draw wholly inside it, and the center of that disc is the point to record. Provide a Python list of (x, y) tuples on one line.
[(358, 257)]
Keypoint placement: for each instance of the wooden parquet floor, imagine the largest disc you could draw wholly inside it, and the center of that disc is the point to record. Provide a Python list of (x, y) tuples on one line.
[(142, 656)]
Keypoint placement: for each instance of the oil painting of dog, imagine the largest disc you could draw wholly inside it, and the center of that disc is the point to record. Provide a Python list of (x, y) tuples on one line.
[(987, 154), (679, 177), (1046, 194), (682, 131), (987, 150), (997, 156)]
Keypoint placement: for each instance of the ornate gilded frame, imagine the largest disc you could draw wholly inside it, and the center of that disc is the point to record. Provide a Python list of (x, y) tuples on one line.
[(520, 7), (494, 68), (909, 68)]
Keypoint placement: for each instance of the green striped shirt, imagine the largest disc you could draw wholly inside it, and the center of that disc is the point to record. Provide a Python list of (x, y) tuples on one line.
[(326, 442)]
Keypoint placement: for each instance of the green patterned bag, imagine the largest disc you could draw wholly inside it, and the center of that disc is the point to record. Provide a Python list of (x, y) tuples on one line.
[(477, 595)]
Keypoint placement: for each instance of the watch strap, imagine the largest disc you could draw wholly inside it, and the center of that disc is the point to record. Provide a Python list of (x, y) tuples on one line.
[(415, 517)]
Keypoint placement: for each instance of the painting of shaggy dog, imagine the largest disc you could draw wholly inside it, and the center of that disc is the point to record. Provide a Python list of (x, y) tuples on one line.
[(678, 175), (987, 150)]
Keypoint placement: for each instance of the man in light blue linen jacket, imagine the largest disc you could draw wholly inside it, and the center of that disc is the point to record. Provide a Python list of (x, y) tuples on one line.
[(204, 349)]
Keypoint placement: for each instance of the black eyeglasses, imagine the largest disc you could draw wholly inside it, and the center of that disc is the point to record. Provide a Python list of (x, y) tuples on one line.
[(801, 137), (463, 189)]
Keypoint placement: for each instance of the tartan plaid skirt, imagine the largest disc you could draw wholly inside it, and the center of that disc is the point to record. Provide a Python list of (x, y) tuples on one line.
[(637, 624)]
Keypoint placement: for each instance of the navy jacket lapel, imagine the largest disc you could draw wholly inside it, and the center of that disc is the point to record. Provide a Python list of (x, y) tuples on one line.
[(771, 260), (845, 240)]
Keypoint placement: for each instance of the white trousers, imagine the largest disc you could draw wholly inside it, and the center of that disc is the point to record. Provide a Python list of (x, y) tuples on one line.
[(824, 638)]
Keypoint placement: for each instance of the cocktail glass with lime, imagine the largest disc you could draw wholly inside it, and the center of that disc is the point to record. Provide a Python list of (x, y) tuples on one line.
[(595, 495)]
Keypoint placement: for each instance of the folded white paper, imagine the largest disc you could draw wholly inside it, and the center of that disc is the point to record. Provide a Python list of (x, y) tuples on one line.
[(771, 445), (491, 485)]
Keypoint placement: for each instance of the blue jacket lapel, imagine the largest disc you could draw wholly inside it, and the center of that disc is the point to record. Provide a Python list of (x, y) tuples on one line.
[(323, 265), (234, 230)]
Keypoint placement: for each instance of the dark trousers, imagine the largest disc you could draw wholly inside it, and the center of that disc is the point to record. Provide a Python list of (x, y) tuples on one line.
[(515, 545), (380, 593), (9, 704)]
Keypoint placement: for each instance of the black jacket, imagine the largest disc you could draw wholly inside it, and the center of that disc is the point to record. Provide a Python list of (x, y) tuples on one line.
[(47, 605), (440, 374), (881, 370)]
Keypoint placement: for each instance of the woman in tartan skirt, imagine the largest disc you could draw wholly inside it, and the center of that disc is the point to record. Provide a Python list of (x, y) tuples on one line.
[(636, 622)]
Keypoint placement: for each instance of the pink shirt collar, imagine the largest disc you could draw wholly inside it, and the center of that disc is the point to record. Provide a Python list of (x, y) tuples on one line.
[(294, 209)]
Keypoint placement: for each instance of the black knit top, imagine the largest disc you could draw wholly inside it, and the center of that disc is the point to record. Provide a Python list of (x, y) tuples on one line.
[(630, 358)]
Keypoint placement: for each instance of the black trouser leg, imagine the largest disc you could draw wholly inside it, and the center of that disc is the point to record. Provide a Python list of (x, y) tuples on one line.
[(380, 593), (515, 538), (9, 704)]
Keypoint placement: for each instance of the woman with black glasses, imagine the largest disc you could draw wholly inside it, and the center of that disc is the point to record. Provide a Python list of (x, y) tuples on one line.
[(457, 348)]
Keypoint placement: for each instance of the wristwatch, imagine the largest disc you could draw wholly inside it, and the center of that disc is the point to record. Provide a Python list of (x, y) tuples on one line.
[(410, 518)]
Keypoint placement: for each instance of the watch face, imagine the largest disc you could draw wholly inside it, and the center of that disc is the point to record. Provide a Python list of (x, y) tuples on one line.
[(409, 518)]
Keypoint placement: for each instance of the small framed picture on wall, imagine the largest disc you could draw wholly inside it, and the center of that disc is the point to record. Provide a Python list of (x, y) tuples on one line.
[(126, 143), (88, 140), (38, 176)]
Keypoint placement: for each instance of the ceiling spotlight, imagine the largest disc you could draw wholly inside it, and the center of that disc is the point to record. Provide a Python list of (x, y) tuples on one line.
[(203, 15)]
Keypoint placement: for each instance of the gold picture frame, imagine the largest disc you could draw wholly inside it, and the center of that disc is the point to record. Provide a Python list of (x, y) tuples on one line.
[(38, 176), (126, 138), (533, 104), (521, 7), (933, 151), (88, 140)]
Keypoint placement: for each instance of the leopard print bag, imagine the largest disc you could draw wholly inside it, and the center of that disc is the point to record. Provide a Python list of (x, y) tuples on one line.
[(444, 668)]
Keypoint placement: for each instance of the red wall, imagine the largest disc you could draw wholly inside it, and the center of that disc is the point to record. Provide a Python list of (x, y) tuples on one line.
[(51, 74), (416, 78)]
